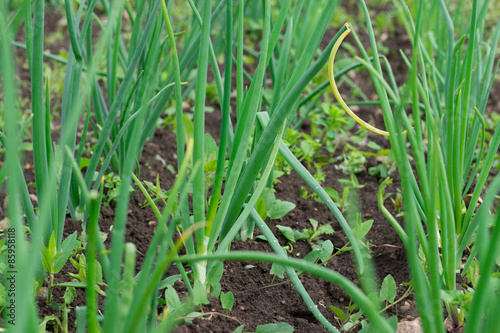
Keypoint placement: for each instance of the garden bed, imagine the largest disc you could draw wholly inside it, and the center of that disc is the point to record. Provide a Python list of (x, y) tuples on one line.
[(261, 297)]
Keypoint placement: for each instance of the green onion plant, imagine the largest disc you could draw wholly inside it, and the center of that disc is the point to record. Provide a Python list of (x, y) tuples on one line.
[(449, 83), (122, 113), (118, 88)]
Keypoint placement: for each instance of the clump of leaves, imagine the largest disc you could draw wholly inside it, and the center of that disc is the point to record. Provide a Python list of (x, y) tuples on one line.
[(112, 184), (81, 266), (303, 146), (53, 260), (64, 309), (310, 234), (348, 318), (269, 206), (330, 122), (353, 162), (157, 193)]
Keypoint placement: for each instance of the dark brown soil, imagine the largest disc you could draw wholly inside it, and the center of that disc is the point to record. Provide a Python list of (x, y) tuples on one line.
[(257, 301)]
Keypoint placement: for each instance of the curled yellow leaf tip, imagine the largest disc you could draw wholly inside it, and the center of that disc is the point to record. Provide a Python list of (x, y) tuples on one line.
[(335, 90)]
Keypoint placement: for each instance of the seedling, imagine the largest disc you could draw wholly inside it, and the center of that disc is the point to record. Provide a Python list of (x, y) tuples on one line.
[(53, 260), (227, 301), (81, 276), (347, 318), (269, 206), (112, 184), (388, 291), (311, 234)]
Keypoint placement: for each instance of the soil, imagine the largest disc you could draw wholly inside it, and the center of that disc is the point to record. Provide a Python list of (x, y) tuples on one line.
[(259, 297)]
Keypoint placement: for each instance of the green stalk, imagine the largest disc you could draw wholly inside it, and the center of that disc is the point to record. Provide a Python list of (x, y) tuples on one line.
[(186, 56), (283, 64), (226, 108), (37, 105), (28, 33), (116, 255), (226, 242), (488, 76), (120, 97), (390, 218), (255, 162), (239, 63), (26, 320), (433, 230), (68, 129), (212, 56), (199, 133), (488, 253), (179, 118), (242, 134), (91, 262)]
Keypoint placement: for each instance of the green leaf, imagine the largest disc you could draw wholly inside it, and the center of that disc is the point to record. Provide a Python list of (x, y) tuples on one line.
[(279, 270), (191, 316), (326, 250), (260, 207), (211, 149), (227, 300), (172, 299), (215, 290), (388, 289), (239, 329), (69, 295), (339, 313), (268, 197), (362, 229), (82, 267), (356, 138), (307, 148), (314, 223), (280, 209), (313, 255), (473, 273), (380, 169), (288, 232), (325, 229), (215, 273), (169, 281), (72, 284), (274, 328), (374, 297), (3, 296), (52, 249), (199, 293), (76, 277), (66, 249), (43, 325), (332, 194), (450, 296), (211, 166), (84, 162), (373, 145), (46, 259), (188, 128)]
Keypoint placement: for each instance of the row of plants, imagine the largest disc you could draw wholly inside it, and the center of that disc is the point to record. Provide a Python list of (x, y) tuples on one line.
[(115, 92)]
